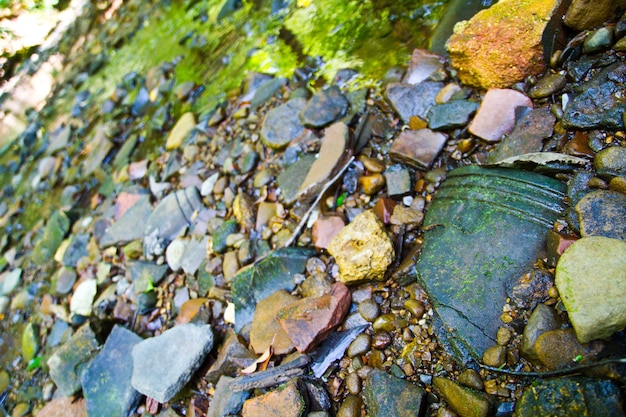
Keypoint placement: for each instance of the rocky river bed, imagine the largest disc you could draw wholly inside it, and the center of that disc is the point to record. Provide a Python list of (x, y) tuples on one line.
[(448, 240)]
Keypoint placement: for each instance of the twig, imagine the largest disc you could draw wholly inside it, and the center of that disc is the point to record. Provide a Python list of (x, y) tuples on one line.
[(305, 218), (271, 377), (558, 372)]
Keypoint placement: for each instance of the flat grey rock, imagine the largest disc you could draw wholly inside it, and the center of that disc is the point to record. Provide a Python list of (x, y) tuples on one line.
[(282, 124), (126, 228), (413, 100), (602, 213), (162, 365)]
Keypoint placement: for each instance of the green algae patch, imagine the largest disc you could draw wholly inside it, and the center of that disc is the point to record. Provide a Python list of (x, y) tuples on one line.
[(56, 229)]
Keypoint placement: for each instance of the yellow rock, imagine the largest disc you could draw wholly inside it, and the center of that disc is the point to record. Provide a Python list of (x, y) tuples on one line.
[(362, 249), (501, 45), (180, 131)]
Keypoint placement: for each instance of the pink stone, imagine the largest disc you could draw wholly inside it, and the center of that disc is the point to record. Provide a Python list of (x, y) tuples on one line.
[(64, 407), (423, 64), (308, 321), (138, 170), (125, 201), (325, 229), (496, 114)]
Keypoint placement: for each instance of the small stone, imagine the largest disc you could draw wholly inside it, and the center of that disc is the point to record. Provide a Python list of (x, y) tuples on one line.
[(308, 321), (601, 213), (351, 406), (542, 319), (557, 349), (82, 300), (417, 148), (353, 383), (590, 279), (618, 184), (286, 402), (324, 107), (384, 392), (362, 249), (325, 229), (416, 308), (495, 356), (496, 114), (233, 355), (162, 365), (64, 407), (369, 310), (381, 340), (291, 179), (30, 342), (451, 115), (447, 92), (611, 161), (10, 281), (221, 234), (422, 66), (406, 216), (244, 211), (371, 184), (174, 253), (179, 132), (398, 179), (471, 379), (230, 265), (598, 41), (548, 85), (359, 346), (464, 401), (226, 402), (371, 164), (266, 330), (384, 209), (282, 124), (504, 335), (413, 100)]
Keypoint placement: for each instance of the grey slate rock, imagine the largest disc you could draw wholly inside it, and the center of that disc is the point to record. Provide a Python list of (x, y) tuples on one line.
[(324, 107), (173, 214), (126, 229), (571, 397), (226, 402), (398, 180), (256, 282), (282, 124), (76, 249), (388, 396), (266, 91), (69, 360), (162, 365), (602, 213), (601, 103), (194, 255), (107, 379), (413, 100), (143, 273), (292, 178), (577, 188), (451, 115)]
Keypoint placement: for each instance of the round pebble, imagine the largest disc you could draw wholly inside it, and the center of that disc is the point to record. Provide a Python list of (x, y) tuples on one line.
[(381, 340), (503, 336), (470, 378), (618, 184), (385, 322), (369, 310), (416, 307), (351, 407), (495, 356), (353, 383), (20, 410), (360, 345), (372, 165), (371, 184), (5, 379)]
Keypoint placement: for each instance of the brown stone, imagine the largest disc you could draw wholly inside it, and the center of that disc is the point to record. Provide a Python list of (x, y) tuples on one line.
[(501, 45), (589, 14), (325, 229), (190, 309), (384, 209), (308, 321), (64, 407), (417, 148), (286, 402), (406, 216), (558, 348), (496, 114), (266, 329)]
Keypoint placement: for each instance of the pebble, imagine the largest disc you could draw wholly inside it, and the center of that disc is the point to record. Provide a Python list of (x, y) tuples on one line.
[(381, 340), (179, 132), (548, 85), (601, 213), (470, 378), (398, 180), (371, 184), (360, 345), (350, 407), (369, 310), (495, 356), (416, 307), (598, 40), (353, 383), (417, 149), (611, 162)]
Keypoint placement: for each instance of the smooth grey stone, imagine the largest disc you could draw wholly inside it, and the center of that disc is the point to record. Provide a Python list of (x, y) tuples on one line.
[(143, 274), (291, 179), (106, 380), (162, 365), (173, 214), (76, 250), (126, 229), (398, 180), (226, 402), (389, 396), (451, 115), (282, 124), (324, 107), (413, 100)]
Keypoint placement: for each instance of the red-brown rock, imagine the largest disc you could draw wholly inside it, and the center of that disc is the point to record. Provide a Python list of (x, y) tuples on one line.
[(325, 229), (384, 209), (496, 114), (309, 320), (286, 402), (266, 330), (64, 407)]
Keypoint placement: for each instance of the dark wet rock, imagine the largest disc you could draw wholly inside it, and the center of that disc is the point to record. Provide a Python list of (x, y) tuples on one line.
[(195, 254), (474, 211), (611, 161), (226, 402), (63, 280), (68, 361), (466, 402), (527, 136), (218, 243), (413, 100), (282, 124), (97, 149), (125, 229), (571, 397), (416, 148), (423, 65), (386, 395), (577, 188), (291, 179), (173, 214), (146, 301), (362, 249), (600, 103), (542, 319), (64, 407), (587, 14), (289, 401), (266, 330), (265, 91), (333, 146), (588, 277), (233, 355), (325, 107), (308, 321), (106, 380), (162, 365), (145, 274), (451, 115), (350, 407), (548, 85), (76, 249), (557, 348), (602, 213), (53, 234), (256, 282), (398, 179), (496, 114)]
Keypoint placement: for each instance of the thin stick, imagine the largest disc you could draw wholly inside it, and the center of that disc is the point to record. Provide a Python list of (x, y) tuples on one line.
[(271, 377), (305, 218), (558, 372)]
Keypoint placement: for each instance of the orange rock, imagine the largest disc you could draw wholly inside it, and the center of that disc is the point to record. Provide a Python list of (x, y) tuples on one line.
[(64, 407), (501, 45)]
